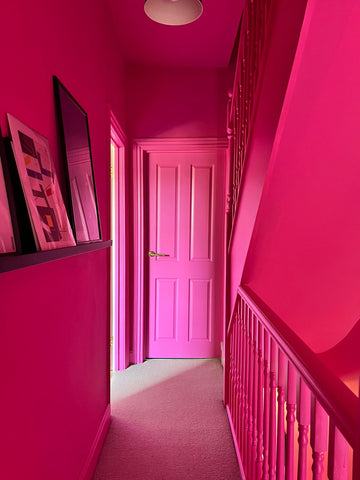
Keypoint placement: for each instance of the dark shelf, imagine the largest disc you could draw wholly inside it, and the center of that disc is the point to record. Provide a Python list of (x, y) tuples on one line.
[(15, 262)]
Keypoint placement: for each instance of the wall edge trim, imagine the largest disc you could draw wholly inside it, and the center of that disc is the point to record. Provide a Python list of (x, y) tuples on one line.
[(92, 458)]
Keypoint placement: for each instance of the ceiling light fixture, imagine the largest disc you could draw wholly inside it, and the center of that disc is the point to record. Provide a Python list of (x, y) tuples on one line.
[(173, 12)]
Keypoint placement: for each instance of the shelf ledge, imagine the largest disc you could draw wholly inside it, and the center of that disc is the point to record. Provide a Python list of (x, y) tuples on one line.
[(16, 262)]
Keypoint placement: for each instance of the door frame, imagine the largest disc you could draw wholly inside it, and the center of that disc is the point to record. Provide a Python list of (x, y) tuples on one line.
[(119, 254), (141, 149)]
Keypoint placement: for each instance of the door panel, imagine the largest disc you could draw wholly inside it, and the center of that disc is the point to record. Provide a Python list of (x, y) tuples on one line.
[(167, 210), (201, 212), (186, 224), (166, 309), (200, 310)]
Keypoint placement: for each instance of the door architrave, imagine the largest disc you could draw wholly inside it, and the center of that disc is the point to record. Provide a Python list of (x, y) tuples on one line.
[(141, 149), (121, 244)]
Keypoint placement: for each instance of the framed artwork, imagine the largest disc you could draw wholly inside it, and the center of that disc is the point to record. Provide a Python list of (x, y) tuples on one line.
[(74, 130), (7, 238), (50, 224)]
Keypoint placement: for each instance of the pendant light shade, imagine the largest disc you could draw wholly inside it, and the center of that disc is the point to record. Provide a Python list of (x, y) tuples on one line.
[(173, 12)]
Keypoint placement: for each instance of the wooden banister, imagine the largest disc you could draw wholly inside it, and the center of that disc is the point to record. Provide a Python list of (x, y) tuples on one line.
[(311, 369), (277, 386)]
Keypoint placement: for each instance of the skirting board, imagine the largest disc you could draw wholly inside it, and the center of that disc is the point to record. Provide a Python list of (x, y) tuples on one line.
[(90, 463), (242, 473)]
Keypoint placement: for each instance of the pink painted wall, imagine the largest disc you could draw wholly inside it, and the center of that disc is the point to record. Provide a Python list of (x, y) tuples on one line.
[(304, 256), (54, 317), (285, 24), (174, 102)]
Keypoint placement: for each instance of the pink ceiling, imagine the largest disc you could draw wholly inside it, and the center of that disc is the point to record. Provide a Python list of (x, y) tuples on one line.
[(208, 42)]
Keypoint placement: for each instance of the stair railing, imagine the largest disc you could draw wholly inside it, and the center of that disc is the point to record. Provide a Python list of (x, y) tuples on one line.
[(273, 396)]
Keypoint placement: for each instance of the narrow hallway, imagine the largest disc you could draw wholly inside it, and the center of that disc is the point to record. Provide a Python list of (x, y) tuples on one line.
[(168, 423)]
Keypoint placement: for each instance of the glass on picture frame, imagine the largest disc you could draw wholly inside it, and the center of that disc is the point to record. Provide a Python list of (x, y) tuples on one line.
[(74, 131)]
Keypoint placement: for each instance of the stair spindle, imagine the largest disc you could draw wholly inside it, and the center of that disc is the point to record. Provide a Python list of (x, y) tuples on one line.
[(246, 389), (338, 459), (272, 433), (242, 379), (250, 394), (260, 409), (290, 422), (244, 376), (255, 397), (318, 438), (303, 418), (266, 404), (280, 461)]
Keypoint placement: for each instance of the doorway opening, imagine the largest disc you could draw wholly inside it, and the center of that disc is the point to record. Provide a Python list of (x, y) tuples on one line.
[(119, 329)]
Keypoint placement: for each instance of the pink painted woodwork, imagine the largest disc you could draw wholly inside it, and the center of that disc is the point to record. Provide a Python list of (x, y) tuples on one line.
[(290, 422), (247, 367), (272, 419), (243, 419), (266, 403), (338, 460), (255, 386), (318, 438), (186, 225), (143, 149), (264, 424), (303, 418), (260, 405), (280, 465), (120, 249)]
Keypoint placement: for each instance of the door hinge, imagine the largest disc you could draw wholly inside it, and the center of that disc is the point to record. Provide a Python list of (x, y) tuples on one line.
[(111, 341)]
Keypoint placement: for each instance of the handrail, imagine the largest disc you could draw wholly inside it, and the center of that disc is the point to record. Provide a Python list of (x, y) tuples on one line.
[(232, 316)]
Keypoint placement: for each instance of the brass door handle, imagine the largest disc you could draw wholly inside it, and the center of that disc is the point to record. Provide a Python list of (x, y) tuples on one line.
[(155, 254)]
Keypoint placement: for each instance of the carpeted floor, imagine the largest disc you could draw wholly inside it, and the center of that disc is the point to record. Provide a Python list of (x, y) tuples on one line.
[(168, 423)]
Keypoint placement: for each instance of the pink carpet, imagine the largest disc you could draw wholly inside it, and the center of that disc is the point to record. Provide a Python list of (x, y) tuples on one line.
[(168, 423)]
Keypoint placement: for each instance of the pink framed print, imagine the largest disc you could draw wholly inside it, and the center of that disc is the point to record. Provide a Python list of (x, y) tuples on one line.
[(50, 224)]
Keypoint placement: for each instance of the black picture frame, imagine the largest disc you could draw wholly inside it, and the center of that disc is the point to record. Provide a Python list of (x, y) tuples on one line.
[(23, 234), (8, 208), (75, 142)]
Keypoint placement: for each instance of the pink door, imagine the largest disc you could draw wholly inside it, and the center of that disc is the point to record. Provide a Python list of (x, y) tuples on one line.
[(186, 222)]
